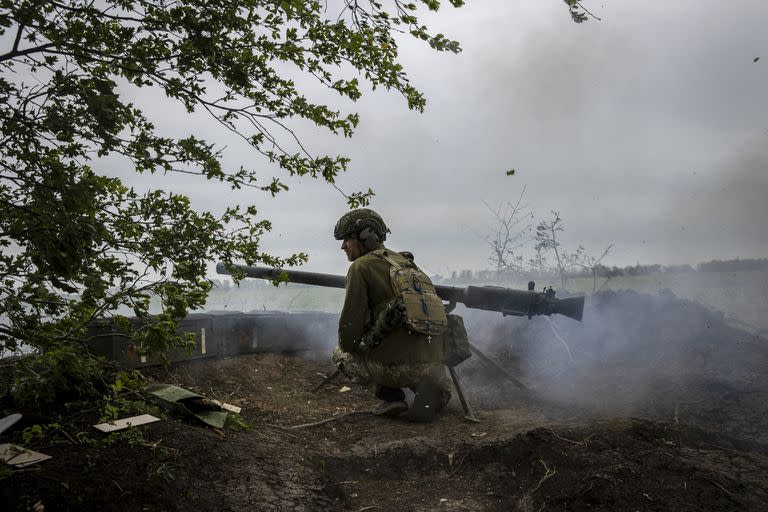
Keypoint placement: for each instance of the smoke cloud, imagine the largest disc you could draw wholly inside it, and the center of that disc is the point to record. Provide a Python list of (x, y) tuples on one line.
[(634, 354)]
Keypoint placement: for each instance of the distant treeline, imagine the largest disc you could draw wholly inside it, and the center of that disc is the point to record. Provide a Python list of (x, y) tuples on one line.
[(603, 271), (734, 265)]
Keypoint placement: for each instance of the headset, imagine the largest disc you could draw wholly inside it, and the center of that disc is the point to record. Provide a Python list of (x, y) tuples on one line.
[(367, 235)]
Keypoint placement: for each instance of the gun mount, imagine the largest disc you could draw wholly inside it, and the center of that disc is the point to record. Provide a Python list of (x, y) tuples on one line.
[(507, 301)]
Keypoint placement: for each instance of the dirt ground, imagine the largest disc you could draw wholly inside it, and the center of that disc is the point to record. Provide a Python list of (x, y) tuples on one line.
[(679, 424)]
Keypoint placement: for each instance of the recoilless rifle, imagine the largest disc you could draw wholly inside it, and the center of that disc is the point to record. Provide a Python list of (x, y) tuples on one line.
[(507, 301)]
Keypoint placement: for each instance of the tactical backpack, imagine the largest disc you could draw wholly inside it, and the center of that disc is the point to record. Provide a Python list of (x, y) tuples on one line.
[(424, 311)]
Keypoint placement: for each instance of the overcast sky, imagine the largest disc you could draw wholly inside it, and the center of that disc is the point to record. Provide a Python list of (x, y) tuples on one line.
[(648, 130)]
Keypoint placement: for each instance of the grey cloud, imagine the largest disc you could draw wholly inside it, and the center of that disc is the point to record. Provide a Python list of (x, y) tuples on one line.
[(644, 130)]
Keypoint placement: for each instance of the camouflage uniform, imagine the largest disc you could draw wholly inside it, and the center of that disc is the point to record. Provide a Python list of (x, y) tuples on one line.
[(360, 368), (403, 358)]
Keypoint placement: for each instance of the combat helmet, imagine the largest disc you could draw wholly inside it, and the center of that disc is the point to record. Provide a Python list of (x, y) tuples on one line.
[(362, 224)]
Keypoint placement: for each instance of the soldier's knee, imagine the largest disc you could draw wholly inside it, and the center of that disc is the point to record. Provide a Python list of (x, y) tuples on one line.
[(338, 356)]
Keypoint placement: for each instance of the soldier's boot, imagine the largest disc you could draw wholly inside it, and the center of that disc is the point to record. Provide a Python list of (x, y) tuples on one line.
[(427, 402), (389, 394), (390, 409), (393, 403)]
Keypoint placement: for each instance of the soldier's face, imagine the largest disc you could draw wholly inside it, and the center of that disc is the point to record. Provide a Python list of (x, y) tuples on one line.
[(352, 248)]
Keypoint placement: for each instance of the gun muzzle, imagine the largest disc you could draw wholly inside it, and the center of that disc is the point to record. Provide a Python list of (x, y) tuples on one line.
[(572, 307)]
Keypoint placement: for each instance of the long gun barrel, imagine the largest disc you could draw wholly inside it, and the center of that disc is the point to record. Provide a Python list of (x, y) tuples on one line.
[(507, 301)]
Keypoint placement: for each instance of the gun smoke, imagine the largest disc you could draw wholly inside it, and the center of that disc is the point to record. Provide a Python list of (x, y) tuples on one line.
[(634, 354)]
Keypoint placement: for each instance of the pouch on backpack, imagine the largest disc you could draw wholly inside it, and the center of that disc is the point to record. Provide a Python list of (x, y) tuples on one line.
[(424, 310), (455, 342)]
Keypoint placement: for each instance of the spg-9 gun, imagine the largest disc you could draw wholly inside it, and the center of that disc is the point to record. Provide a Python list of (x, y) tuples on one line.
[(507, 301)]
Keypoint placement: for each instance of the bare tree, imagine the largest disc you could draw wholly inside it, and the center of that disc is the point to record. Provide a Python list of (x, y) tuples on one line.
[(547, 240), (592, 264), (510, 234), (538, 262)]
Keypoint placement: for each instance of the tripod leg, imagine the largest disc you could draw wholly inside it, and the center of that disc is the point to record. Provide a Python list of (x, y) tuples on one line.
[(498, 367), (469, 415)]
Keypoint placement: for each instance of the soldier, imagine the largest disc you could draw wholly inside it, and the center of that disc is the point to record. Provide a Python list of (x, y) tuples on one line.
[(373, 346)]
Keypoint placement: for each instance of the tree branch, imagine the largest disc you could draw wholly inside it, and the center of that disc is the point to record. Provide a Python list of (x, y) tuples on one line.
[(587, 11), (101, 13), (18, 38), (20, 53)]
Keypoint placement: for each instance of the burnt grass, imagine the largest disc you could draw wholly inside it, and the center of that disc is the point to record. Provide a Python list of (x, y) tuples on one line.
[(656, 404)]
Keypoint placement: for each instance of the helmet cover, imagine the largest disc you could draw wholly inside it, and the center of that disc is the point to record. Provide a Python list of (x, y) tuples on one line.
[(354, 221)]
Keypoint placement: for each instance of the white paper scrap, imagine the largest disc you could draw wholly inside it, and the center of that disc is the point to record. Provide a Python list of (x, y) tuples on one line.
[(126, 423), (228, 407), (17, 456), (344, 389)]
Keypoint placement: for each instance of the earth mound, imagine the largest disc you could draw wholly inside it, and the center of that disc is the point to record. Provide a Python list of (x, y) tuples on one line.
[(653, 403)]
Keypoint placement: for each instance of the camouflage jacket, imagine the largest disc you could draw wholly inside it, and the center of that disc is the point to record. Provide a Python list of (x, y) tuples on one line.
[(368, 292)]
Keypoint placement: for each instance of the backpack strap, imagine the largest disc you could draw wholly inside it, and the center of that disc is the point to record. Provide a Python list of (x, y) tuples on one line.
[(387, 255)]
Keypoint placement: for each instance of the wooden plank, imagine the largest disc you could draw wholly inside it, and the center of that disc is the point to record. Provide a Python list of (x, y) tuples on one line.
[(20, 457), (124, 423)]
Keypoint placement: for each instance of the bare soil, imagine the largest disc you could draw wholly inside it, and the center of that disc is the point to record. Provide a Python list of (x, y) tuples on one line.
[(679, 424)]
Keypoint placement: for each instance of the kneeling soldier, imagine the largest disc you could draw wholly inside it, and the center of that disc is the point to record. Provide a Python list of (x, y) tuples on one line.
[(391, 323)]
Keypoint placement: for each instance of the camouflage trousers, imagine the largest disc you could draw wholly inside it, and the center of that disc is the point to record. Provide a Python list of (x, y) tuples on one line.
[(360, 369)]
